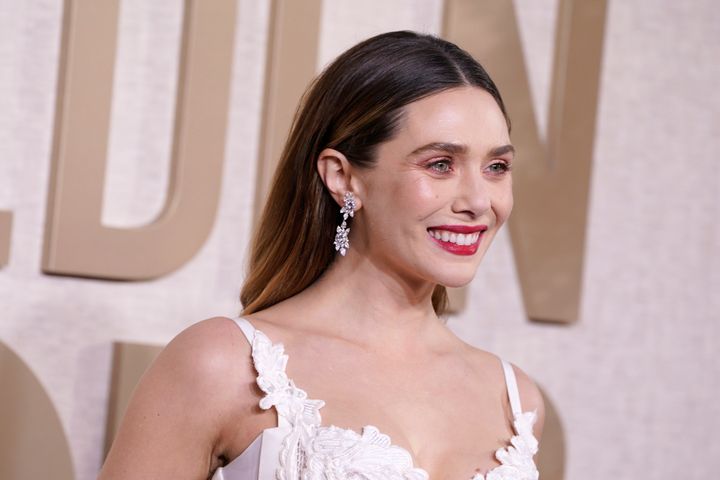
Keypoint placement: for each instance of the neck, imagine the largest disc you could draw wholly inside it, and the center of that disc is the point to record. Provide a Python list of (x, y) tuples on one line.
[(360, 300)]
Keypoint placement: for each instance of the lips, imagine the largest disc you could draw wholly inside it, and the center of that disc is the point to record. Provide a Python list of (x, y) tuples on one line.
[(458, 239)]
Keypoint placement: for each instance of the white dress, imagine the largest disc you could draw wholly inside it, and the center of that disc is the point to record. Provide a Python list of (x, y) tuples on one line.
[(301, 448)]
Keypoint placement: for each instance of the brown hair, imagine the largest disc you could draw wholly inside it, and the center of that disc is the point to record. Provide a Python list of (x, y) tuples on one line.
[(353, 106)]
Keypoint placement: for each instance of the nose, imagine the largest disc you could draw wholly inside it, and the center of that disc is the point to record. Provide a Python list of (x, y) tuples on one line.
[(473, 195)]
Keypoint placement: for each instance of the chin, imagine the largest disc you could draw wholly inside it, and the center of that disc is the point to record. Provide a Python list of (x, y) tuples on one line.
[(455, 279), (459, 275), (455, 284)]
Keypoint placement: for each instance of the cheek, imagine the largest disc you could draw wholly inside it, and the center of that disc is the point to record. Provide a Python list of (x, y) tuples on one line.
[(417, 197), (503, 205)]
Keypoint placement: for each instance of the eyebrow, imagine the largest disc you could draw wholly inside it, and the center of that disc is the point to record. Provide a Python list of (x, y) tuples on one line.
[(500, 151), (458, 148), (441, 147)]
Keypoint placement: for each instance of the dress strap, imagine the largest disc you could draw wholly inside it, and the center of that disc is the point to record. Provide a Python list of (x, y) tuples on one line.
[(269, 359), (246, 328), (512, 388), (259, 345)]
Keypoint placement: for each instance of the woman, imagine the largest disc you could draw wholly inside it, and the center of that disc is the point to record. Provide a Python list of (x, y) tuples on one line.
[(394, 180)]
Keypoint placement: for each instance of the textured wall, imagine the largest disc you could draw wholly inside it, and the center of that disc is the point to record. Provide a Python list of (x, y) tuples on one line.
[(635, 379)]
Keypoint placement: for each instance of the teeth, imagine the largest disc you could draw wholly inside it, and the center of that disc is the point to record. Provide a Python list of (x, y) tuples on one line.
[(457, 238)]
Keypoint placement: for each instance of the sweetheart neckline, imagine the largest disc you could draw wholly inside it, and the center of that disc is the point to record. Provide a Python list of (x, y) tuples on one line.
[(355, 433), (512, 443)]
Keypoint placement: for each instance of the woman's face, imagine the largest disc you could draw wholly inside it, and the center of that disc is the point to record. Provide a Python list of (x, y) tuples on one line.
[(440, 190)]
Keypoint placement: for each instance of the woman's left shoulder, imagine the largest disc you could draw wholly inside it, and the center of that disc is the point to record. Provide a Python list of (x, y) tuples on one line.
[(531, 398)]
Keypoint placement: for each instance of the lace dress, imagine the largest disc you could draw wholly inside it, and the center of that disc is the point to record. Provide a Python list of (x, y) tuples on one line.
[(301, 448)]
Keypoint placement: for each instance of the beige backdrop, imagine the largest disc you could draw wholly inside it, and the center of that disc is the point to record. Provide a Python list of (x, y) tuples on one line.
[(635, 380)]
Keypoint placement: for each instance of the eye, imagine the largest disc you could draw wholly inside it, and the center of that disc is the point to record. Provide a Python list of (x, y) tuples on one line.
[(499, 167), (441, 166)]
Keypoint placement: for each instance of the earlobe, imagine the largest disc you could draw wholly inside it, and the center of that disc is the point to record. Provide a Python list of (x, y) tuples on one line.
[(336, 173)]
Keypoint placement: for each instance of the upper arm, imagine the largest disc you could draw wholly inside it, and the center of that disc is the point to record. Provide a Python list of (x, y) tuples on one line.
[(177, 418), (531, 399)]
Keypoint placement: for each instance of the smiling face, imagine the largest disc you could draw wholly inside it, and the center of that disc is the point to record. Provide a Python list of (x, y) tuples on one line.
[(440, 189)]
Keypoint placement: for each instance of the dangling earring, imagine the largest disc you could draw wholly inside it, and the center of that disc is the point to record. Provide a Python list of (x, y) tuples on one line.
[(342, 243)]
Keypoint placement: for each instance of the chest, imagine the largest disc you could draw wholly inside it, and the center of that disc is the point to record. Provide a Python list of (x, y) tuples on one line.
[(409, 417), (446, 412)]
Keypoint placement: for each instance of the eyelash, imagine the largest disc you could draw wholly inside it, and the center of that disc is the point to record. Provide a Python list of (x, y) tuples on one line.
[(506, 167), (447, 161)]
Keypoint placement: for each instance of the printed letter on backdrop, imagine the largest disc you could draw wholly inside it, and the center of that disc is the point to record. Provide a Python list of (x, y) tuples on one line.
[(290, 67), (33, 444), (551, 180), (76, 242)]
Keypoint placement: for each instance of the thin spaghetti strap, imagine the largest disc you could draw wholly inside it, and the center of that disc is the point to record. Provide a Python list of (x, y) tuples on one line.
[(269, 360), (512, 388), (247, 329)]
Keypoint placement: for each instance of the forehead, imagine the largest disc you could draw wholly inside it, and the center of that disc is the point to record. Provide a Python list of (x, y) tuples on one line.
[(465, 115)]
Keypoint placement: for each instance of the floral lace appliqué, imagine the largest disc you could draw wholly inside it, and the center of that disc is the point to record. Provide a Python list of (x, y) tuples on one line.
[(290, 401), (516, 460), (339, 453), (311, 451)]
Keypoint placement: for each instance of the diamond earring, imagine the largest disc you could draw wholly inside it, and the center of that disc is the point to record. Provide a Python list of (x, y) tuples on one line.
[(342, 243)]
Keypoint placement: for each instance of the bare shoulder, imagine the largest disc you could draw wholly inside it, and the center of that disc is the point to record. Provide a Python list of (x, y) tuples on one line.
[(489, 366), (206, 355), (211, 346), (181, 413), (531, 398), (211, 351)]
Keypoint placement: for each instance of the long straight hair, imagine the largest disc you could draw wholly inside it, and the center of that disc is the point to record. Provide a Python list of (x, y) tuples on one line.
[(353, 106)]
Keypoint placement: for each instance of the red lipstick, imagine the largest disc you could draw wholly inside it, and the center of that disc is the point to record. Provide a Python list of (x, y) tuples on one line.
[(454, 247)]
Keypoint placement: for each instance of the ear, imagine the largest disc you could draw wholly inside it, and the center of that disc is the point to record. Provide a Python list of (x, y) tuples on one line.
[(338, 176)]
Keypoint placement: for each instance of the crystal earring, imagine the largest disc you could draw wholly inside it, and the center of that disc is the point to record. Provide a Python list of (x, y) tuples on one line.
[(342, 243)]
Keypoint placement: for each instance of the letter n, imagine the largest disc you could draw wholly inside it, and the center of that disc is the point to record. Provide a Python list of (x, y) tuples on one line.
[(552, 178)]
